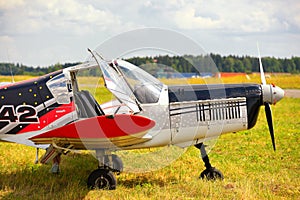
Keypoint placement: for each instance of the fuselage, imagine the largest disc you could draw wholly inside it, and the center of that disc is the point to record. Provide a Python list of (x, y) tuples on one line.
[(29, 105), (189, 114), (28, 108), (252, 93), (184, 115)]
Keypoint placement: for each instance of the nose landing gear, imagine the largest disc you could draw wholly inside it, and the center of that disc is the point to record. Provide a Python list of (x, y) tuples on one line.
[(210, 173), (103, 177)]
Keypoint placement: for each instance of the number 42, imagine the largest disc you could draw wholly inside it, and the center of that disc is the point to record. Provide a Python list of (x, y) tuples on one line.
[(22, 114)]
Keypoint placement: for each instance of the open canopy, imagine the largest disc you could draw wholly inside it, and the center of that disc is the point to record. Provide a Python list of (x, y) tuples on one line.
[(130, 84)]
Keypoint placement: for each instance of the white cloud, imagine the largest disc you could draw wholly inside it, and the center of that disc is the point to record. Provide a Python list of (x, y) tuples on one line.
[(38, 27), (56, 27), (10, 4), (5, 39), (186, 19), (236, 16), (9, 49), (67, 16)]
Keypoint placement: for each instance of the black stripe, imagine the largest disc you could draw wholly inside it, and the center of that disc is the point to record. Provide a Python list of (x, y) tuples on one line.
[(186, 112)]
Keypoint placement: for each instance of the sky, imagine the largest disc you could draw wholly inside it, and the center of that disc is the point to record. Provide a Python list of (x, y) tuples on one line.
[(43, 33)]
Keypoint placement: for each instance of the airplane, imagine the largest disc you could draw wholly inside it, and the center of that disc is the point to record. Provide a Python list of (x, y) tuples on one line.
[(55, 112)]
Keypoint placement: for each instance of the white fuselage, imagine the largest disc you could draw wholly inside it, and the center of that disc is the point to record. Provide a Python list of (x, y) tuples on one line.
[(187, 123)]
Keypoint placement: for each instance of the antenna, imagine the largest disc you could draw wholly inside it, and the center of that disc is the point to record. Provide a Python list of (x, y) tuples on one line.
[(12, 75), (93, 55)]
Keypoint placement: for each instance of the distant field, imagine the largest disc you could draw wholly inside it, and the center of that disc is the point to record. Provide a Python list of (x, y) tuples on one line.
[(16, 78), (284, 81), (251, 168)]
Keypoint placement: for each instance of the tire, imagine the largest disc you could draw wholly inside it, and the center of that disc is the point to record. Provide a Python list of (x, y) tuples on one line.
[(212, 174), (102, 179)]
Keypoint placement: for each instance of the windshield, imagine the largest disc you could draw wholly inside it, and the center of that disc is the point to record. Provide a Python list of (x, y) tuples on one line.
[(115, 82), (145, 87), (59, 89)]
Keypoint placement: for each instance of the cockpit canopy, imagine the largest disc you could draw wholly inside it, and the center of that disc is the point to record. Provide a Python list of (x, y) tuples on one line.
[(145, 87), (128, 83)]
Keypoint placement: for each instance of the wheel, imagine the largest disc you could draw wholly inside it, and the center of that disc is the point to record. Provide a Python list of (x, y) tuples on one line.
[(117, 163), (102, 179), (212, 174)]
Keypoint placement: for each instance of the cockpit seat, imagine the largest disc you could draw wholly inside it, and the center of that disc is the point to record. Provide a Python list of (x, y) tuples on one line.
[(87, 106)]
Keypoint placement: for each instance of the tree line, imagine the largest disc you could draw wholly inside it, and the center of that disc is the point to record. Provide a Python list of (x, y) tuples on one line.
[(20, 69), (188, 64), (231, 63)]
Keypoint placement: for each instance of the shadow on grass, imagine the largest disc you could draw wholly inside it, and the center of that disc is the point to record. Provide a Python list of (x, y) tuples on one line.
[(36, 181), (145, 180), (32, 181)]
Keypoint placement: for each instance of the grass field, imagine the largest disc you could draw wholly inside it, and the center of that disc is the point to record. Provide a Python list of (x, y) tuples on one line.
[(251, 168)]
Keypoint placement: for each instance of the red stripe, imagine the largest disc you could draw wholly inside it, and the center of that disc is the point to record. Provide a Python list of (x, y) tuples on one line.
[(50, 117)]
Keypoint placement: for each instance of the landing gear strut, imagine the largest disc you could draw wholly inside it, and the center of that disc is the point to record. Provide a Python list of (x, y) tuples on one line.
[(55, 164), (210, 173), (103, 177)]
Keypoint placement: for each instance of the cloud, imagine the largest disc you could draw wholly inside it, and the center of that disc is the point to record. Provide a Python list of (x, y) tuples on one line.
[(47, 32), (8, 47), (10, 4), (56, 27), (235, 16), (69, 16), (79, 18), (187, 19)]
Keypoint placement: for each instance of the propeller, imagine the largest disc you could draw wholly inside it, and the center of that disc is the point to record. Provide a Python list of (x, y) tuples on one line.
[(270, 123), (268, 110)]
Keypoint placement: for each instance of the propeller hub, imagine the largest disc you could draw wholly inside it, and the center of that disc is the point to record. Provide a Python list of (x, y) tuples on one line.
[(272, 94)]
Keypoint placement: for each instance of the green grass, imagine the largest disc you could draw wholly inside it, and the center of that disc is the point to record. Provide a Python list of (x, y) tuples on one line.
[(252, 170)]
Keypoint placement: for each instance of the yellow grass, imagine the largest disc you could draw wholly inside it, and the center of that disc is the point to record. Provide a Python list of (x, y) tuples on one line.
[(252, 170), (283, 81), (15, 78)]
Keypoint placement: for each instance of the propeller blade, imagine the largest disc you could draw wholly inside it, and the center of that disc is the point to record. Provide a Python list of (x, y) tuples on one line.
[(261, 69), (270, 123)]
